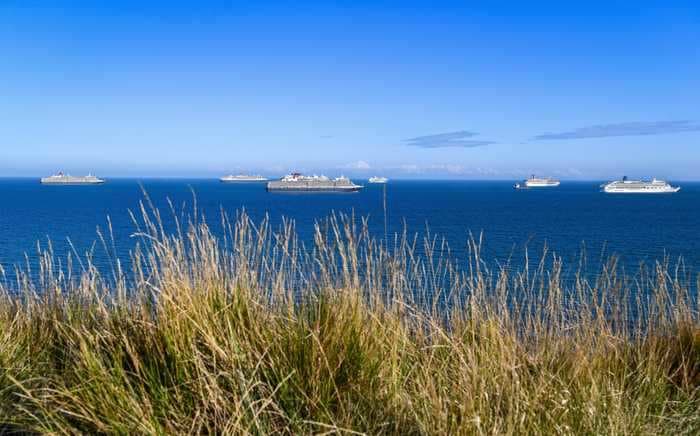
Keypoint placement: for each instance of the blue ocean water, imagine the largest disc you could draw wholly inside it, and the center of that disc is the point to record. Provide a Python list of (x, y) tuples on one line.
[(642, 228)]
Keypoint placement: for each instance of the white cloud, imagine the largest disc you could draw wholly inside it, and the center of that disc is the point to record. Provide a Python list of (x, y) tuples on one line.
[(458, 170), (409, 168), (449, 168), (359, 165), (488, 171)]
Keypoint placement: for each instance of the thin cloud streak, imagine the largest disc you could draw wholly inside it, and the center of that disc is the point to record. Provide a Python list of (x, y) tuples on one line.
[(624, 129), (358, 165), (449, 139)]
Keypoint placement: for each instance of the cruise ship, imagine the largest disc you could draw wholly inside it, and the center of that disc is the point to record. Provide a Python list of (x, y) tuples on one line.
[(242, 178), (537, 182), (66, 179), (626, 186), (376, 179), (298, 182)]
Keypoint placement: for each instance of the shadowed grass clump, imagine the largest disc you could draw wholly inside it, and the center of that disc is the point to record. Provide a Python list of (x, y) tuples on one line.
[(252, 332)]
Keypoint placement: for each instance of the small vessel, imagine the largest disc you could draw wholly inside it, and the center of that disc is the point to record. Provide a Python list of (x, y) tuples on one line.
[(242, 178), (377, 179), (298, 182), (537, 182), (66, 179), (626, 186)]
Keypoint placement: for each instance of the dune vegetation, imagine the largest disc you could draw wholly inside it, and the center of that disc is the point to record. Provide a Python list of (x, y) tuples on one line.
[(247, 330)]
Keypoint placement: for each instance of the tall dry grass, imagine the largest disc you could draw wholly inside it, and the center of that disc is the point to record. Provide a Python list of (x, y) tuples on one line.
[(253, 332)]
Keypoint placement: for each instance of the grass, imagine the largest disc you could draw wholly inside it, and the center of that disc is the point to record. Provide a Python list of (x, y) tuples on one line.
[(252, 332)]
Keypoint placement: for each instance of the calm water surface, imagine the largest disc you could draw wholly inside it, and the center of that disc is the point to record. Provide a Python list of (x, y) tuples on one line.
[(640, 228)]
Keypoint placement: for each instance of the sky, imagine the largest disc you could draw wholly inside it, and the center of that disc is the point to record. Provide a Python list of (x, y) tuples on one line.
[(469, 90)]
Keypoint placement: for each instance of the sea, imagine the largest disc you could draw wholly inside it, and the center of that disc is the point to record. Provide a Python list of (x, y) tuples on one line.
[(574, 221)]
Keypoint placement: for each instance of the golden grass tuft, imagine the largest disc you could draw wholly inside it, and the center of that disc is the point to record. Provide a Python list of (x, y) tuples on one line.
[(254, 333)]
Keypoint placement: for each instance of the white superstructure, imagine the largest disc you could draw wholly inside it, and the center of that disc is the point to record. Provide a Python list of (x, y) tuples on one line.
[(538, 182), (377, 179), (67, 179), (626, 186), (243, 178)]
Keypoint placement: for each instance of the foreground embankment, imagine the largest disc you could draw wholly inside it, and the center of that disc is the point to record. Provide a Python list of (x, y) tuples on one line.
[(254, 333)]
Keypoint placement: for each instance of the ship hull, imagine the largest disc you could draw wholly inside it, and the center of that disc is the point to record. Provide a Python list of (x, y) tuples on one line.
[(542, 185), (71, 183), (313, 189), (535, 186)]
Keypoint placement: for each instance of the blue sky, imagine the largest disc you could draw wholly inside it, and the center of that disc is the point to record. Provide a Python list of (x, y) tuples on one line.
[(406, 89)]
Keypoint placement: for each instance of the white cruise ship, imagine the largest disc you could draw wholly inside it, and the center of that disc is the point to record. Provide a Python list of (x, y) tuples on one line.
[(626, 186), (299, 182), (66, 179), (537, 182), (242, 178), (376, 179)]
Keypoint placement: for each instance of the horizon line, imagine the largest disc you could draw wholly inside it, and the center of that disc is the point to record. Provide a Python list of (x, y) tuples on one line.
[(403, 178)]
